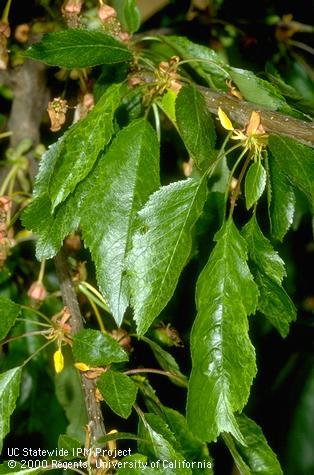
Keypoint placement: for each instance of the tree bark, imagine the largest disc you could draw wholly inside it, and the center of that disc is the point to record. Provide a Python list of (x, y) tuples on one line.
[(94, 414)]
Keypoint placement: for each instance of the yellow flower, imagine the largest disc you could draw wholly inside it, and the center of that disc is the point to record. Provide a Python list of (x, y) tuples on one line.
[(254, 137)]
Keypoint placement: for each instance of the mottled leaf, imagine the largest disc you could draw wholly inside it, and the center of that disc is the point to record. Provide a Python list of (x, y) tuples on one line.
[(268, 269), (281, 200), (97, 349), (161, 247), (223, 358), (255, 182), (296, 162), (9, 392), (78, 48), (195, 124), (256, 453), (118, 391), (130, 173), (9, 312)]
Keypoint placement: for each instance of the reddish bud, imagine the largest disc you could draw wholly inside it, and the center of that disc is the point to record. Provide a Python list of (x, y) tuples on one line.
[(124, 36), (5, 203), (105, 13), (72, 7), (5, 29), (37, 291)]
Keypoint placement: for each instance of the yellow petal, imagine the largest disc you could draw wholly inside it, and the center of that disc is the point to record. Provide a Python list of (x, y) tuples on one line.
[(58, 361), (81, 366), (224, 120), (254, 123)]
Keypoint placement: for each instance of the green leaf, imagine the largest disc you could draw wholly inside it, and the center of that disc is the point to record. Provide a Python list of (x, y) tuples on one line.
[(167, 103), (78, 48), (9, 312), (130, 173), (296, 162), (211, 67), (115, 436), (119, 392), (195, 124), (167, 362), (269, 271), (258, 91), (256, 453), (69, 445), (242, 467), (97, 349), (80, 146), (190, 446), (9, 392), (299, 447), (128, 14), (281, 200), (160, 444), (255, 182), (136, 464), (19, 470), (223, 358), (51, 229), (161, 247)]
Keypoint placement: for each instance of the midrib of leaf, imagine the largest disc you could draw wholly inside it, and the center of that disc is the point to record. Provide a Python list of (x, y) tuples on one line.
[(221, 345), (198, 121), (116, 392), (177, 243), (87, 46), (131, 215)]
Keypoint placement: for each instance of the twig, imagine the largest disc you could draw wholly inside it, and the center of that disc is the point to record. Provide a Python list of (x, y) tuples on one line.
[(273, 122), (95, 418)]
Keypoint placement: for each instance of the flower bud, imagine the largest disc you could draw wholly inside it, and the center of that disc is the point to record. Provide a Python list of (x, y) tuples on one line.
[(72, 7), (105, 13), (5, 203), (124, 36), (167, 335), (37, 291)]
